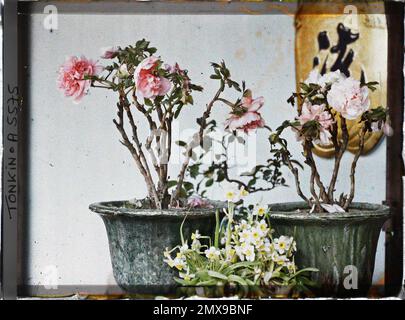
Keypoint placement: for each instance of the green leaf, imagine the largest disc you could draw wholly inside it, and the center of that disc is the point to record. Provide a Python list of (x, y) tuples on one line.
[(237, 279), (220, 176), (171, 183), (304, 271), (242, 264), (188, 185), (207, 283), (183, 282), (148, 102), (217, 275), (209, 182)]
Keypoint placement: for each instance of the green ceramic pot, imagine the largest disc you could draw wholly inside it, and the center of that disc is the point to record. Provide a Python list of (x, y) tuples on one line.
[(334, 243), (138, 238)]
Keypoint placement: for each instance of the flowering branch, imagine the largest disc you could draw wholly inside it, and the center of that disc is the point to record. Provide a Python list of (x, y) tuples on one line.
[(197, 140), (326, 103), (339, 151), (353, 169)]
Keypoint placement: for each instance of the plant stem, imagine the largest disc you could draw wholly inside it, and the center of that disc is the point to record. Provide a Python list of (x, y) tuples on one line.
[(136, 156), (229, 226), (339, 151), (294, 171), (189, 151), (322, 191), (311, 164), (353, 170)]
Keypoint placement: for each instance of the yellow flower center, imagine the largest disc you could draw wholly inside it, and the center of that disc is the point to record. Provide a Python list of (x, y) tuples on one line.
[(230, 195), (244, 193)]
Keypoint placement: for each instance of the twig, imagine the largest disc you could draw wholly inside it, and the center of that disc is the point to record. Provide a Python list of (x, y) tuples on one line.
[(311, 163), (339, 151), (126, 142), (353, 170), (192, 144), (294, 171), (322, 191)]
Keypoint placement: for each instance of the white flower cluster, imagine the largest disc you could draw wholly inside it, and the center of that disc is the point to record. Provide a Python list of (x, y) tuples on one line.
[(251, 240), (246, 242)]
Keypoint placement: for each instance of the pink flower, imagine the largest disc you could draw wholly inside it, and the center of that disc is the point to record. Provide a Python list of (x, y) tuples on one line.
[(195, 201), (349, 98), (109, 52), (385, 126), (148, 83), (314, 112), (71, 76), (246, 116), (175, 69)]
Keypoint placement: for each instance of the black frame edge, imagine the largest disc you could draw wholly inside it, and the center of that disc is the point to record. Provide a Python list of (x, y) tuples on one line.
[(395, 166)]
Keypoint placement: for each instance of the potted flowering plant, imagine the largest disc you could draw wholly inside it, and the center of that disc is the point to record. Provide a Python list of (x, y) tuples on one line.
[(243, 254), (338, 236), (139, 230)]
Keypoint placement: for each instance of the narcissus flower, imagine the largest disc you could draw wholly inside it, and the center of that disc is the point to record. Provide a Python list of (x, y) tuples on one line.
[(234, 195), (259, 210), (212, 253)]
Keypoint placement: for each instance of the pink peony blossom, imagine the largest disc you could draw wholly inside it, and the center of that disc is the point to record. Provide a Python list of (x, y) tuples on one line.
[(148, 83), (317, 113), (109, 52), (247, 116), (349, 98), (71, 76), (195, 201)]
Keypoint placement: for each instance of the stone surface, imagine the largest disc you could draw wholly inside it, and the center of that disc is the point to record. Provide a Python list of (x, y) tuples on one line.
[(333, 242), (138, 238)]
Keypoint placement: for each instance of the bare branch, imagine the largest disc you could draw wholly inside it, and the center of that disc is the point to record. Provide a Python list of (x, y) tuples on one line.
[(294, 171), (353, 169), (310, 158), (192, 144), (134, 152), (339, 151), (311, 163)]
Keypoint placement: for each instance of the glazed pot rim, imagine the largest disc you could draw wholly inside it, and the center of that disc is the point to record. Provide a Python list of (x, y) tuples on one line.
[(359, 210), (116, 208)]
